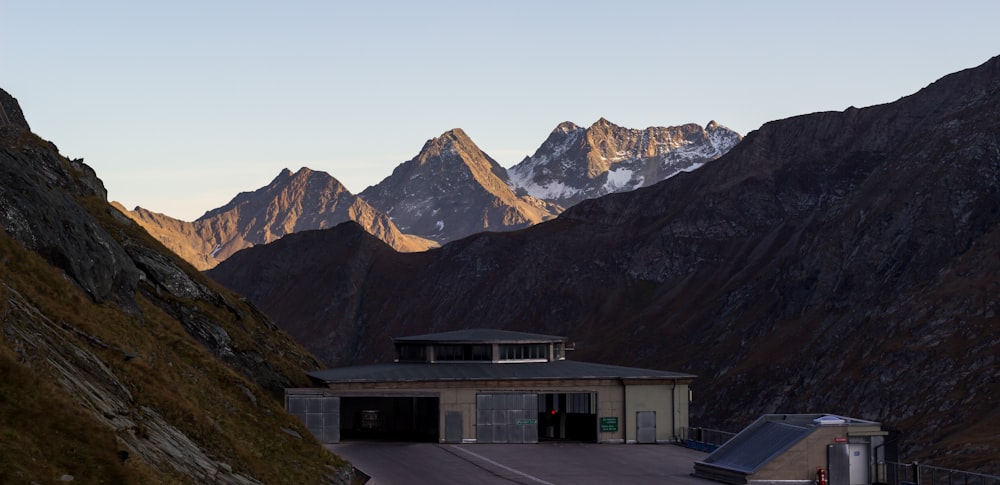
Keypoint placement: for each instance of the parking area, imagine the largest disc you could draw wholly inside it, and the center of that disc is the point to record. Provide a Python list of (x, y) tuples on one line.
[(544, 463)]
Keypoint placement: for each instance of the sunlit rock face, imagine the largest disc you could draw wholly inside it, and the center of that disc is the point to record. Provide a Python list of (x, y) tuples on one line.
[(292, 202), (452, 189), (575, 164)]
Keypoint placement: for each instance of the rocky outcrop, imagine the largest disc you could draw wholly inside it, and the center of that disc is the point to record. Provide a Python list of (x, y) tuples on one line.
[(292, 202), (39, 192), (837, 262), (452, 189), (575, 164), (10, 112), (122, 364)]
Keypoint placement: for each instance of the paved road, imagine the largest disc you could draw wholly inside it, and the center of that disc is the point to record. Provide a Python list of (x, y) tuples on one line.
[(534, 464)]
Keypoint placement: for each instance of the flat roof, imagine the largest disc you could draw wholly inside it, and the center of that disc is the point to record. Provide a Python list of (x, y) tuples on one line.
[(481, 335), (414, 372)]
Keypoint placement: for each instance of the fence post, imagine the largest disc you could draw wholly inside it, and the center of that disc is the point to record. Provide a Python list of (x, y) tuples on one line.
[(916, 472)]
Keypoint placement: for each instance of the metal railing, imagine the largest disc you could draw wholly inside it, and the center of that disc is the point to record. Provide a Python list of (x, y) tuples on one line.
[(893, 473), (705, 439)]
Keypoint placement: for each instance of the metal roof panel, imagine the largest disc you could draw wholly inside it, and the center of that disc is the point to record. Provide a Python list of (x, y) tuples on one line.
[(563, 369), (748, 451)]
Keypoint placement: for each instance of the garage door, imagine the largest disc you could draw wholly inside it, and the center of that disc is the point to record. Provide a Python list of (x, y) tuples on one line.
[(507, 418), (320, 414)]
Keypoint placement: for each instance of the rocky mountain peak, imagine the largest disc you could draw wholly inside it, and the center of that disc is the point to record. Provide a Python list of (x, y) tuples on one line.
[(10, 112), (302, 173), (452, 189), (455, 135), (565, 127), (603, 122), (454, 146), (574, 165)]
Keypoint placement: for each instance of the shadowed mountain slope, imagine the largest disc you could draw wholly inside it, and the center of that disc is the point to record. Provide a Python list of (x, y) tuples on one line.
[(119, 363), (834, 262)]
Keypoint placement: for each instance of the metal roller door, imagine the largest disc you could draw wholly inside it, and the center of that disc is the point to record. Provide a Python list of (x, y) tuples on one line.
[(507, 418), (320, 414)]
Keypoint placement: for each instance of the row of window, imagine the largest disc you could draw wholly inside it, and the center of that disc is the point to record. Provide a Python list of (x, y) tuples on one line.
[(463, 352), (523, 351), (476, 352)]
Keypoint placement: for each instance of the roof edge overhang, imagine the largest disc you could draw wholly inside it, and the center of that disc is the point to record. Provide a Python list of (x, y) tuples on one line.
[(628, 380), (564, 370), (480, 336)]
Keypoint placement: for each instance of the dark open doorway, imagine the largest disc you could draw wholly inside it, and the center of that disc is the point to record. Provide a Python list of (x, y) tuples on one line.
[(389, 418), (567, 416)]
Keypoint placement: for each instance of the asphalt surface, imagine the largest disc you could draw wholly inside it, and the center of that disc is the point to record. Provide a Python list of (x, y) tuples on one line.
[(531, 464)]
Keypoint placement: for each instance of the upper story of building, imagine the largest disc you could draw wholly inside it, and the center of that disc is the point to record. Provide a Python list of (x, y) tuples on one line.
[(480, 345)]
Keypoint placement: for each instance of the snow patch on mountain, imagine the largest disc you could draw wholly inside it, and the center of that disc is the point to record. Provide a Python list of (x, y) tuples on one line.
[(622, 179), (546, 191)]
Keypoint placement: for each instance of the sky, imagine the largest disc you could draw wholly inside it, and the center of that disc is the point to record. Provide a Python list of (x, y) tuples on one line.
[(181, 105)]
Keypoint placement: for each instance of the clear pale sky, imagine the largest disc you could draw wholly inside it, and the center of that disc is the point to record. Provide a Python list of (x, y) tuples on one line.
[(179, 105)]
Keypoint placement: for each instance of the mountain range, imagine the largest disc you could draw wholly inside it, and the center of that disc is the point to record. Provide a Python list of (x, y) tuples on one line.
[(292, 202), (840, 262), (119, 363), (450, 190)]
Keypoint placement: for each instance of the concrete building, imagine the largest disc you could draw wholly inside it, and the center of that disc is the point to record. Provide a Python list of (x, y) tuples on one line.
[(790, 448), (492, 386)]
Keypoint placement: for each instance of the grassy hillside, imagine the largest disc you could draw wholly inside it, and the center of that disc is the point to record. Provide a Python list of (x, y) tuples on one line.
[(119, 362), (72, 404)]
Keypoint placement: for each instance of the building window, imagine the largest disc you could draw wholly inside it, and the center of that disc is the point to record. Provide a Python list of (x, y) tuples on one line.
[(412, 353), (462, 352), (524, 352)]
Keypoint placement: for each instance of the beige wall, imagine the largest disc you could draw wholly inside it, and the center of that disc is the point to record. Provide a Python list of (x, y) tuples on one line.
[(801, 460), (669, 401), (613, 400)]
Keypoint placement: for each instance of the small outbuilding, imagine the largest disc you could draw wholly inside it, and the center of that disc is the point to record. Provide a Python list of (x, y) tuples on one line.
[(492, 386), (791, 449)]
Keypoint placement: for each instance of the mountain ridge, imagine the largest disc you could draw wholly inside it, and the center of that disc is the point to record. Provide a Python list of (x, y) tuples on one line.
[(449, 190), (616, 158), (292, 201)]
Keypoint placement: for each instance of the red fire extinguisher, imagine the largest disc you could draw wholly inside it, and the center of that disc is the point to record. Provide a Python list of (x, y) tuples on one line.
[(821, 477)]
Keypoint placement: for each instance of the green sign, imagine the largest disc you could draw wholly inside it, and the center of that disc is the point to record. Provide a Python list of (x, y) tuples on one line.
[(523, 422), (609, 425)]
